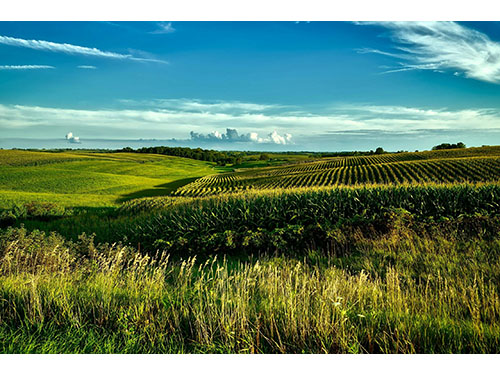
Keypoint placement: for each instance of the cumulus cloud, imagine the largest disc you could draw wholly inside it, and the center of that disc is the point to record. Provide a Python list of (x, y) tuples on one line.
[(278, 139), (163, 28), (72, 139), (67, 48), (86, 67), (443, 46), (25, 67), (232, 135)]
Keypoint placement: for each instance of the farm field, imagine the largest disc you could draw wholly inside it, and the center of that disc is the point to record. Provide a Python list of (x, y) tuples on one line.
[(144, 253), (91, 179), (274, 186), (444, 166)]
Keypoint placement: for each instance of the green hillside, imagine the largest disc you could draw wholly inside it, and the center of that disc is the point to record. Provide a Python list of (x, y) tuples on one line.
[(92, 179)]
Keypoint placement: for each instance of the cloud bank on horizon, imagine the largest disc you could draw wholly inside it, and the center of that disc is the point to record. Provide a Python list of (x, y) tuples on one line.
[(182, 125), (175, 123)]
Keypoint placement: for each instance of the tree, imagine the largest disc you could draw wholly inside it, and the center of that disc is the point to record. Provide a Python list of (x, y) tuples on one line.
[(379, 150), (448, 146), (264, 157)]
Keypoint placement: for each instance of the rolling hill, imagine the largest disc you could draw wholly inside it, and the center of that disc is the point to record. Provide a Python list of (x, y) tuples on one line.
[(74, 178), (444, 166)]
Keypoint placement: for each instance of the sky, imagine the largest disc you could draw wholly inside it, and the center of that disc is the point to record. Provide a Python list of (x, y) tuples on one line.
[(276, 86)]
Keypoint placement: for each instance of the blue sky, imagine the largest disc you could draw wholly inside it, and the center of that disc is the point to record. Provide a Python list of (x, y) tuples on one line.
[(321, 86)]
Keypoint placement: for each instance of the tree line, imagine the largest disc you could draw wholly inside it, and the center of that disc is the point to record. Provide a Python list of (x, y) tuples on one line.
[(448, 146), (219, 157)]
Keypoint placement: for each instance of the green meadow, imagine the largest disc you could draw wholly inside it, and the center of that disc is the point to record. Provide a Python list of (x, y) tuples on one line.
[(88, 179)]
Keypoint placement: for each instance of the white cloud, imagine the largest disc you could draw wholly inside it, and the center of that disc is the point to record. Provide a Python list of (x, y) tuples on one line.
[(379, 52), (25, 67), (72, 139), (443, 46), (232, 135), (164, 28), (216, 134), (71, 49), (278, 139), (193, 105), (222, 106), (167, 123), (86, 67)]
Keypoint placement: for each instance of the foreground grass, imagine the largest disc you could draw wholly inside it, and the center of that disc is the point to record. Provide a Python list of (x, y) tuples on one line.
[(400, 293)]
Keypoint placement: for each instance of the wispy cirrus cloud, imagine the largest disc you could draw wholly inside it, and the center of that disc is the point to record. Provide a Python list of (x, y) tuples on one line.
[(442, 46), (25, 67), (71, 49), (195, 105), (163, 28), (86, 67)]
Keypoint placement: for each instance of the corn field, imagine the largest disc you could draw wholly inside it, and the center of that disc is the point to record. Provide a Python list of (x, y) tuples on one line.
[(404, 168)]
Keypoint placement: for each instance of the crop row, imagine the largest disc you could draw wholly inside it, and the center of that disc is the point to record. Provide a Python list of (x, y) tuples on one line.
[(404, 172), (337, 162), (269, 219)]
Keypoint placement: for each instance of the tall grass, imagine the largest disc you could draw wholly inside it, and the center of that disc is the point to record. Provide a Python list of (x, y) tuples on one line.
[(399, 294)]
